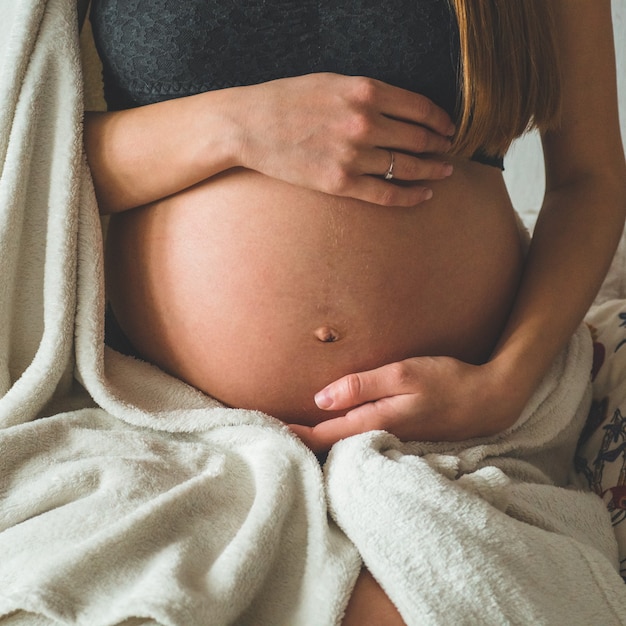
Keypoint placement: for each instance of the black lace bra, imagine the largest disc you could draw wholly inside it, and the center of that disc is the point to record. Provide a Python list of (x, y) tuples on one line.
[(154, 50)]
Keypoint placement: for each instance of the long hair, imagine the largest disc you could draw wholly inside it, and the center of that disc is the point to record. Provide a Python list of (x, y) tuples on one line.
[(509, 77)]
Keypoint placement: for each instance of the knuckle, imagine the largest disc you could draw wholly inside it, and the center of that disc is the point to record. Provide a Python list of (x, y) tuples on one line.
[(400, 374), (414, 169), (339, 181), (426, 169), (421, 169), (420, 139), (390, 195), (364, 89), (359, 126), (348, 155), (424, 107), (353, 386), (425, 140)]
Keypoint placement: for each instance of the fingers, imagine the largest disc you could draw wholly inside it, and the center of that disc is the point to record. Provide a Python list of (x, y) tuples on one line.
[(407, 185), (406, 188), (380, 415), (340, 138), (370, 184), (402, 104), (407, 167), (356, 389), (383, 117), (409, 137), (412, 107), (325, 435), (378, 191), (418, 399)]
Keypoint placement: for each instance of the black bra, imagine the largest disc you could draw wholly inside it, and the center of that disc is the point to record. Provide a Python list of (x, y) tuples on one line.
[(154, 50)]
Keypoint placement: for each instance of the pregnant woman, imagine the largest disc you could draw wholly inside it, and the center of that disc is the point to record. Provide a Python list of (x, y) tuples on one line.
[(308, 211)]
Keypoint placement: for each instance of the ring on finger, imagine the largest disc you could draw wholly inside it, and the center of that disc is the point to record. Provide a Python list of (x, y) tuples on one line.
[(392, 161)]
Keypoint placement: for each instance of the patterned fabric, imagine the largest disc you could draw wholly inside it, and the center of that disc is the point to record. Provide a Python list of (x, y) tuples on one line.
[(158, 49), (154, 50), (601, 456)]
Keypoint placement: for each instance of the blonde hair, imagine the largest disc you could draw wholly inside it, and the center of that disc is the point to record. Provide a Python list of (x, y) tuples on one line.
[(509, 77)]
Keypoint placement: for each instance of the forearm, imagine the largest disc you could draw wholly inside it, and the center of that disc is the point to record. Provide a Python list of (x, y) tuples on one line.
[(141, 155), (325, 132), (573, 243), (582, 218)]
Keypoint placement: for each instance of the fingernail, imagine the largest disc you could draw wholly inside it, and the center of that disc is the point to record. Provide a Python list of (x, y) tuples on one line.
[(324, 399), (447, 169), (428, 194), (451, 130)]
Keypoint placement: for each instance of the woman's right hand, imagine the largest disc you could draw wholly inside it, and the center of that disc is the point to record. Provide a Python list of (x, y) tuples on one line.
[(335, 134)]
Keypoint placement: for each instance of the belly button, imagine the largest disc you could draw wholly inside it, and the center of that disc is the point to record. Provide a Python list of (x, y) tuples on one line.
[(327, 334)]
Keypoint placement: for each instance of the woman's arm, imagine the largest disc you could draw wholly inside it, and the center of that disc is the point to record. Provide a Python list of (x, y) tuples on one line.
[(582, 216), (141, 155), (579, 226), (326, 132)]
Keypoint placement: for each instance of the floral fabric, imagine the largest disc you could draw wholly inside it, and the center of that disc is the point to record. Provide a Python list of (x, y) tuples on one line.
[(601, 455)]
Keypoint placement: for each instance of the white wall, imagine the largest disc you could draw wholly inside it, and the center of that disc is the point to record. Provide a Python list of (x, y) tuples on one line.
[(524, 162)]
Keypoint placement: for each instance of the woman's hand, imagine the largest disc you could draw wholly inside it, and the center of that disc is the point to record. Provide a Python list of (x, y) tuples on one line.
[(336, 134), (419, 399), (325, 132)]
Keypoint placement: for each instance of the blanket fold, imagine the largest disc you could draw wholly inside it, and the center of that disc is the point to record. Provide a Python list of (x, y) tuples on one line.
[(489, 517), (40, 147), (223, 518), (127, 497)]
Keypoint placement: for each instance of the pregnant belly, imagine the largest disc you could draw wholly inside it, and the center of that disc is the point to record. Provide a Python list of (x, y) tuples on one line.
[(260, 293)]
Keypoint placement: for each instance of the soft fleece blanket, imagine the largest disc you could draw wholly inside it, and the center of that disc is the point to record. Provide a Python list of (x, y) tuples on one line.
[(127, 497)]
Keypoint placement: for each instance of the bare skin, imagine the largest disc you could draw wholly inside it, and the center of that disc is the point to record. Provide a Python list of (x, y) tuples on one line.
[(194, 281), (369, 606), (338, 144), (261, 303), (162, 155), (573, 242)]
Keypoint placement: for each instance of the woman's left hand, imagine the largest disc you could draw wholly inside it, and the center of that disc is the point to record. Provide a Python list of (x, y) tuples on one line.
[(418, 399)]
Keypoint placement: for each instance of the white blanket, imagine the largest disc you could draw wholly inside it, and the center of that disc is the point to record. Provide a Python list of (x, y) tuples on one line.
[(126, 494)]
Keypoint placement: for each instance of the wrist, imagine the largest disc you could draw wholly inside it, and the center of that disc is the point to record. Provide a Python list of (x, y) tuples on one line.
[(217, 131), (513, 377)]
